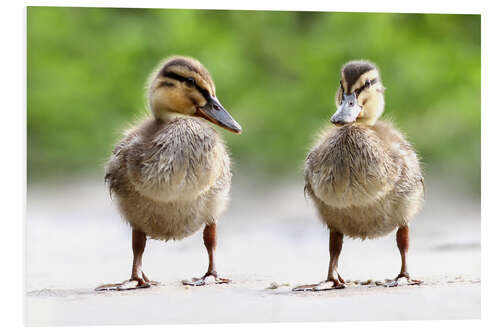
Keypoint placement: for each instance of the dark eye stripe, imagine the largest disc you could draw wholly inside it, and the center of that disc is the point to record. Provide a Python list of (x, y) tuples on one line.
[(181, 78), (366, 85), (174, 76), (166, 84)]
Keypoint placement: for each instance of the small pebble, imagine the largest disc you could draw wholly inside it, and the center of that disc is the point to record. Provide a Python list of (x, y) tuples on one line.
[(275, 285), (367, 282)]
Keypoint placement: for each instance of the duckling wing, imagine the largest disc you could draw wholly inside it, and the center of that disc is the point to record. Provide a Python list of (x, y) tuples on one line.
[(409, 190), (115, 170), (402, 153)]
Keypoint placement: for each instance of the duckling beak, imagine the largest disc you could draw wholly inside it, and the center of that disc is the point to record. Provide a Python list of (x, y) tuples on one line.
[(214, 112), (347, 112)]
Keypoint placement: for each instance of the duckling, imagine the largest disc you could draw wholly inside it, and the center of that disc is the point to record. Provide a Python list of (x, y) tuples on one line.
[(362, 175), (171, 173)]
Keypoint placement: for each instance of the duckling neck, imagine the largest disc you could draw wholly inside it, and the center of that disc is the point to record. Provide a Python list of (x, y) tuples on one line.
[(169, 116), (366, 121)]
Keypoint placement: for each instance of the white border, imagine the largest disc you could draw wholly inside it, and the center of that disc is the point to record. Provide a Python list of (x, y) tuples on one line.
[(13, 20)]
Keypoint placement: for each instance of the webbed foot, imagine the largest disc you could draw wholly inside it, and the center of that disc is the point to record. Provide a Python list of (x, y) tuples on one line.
[(390, 283), (208, 278), (130, 284), (322, 286)]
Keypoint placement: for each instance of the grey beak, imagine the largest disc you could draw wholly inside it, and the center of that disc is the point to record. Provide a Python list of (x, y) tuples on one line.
[(347, 112), (214, 111)]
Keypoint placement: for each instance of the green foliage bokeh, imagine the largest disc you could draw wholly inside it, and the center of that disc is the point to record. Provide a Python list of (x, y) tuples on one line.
[(276, 72)]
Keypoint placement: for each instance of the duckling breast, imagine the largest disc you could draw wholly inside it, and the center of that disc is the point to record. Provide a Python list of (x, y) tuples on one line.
[(350, 166), (179, 162)]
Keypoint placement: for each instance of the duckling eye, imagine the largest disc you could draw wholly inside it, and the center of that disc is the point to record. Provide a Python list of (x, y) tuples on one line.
[(190, 82)]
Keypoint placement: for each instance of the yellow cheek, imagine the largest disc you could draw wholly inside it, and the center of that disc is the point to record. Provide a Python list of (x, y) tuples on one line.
[(157, 100), (366, 101), (197, 98), (174, 100)]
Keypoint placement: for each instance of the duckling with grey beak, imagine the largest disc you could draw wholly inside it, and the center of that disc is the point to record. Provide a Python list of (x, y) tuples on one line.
[(362, 175), (170, 175)]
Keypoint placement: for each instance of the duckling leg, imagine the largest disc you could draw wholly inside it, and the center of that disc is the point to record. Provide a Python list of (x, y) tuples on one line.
[(138, 279), (403, 241), (210, 240), (335, 245)]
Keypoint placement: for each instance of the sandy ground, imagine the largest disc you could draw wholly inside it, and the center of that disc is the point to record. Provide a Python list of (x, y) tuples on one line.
[(75, 240)]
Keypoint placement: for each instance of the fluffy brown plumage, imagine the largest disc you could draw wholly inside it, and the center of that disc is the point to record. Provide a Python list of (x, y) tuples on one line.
[(362, 175), (170, 178), (170, 175), (364, 180)]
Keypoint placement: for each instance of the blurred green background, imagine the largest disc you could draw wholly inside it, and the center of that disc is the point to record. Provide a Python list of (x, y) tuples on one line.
[(276, 72)]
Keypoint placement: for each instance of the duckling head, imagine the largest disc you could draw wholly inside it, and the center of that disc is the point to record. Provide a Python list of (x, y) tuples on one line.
[(360, 97), (182, 87)]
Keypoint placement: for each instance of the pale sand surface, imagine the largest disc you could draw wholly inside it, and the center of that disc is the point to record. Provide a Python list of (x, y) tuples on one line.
[(75, 240)]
